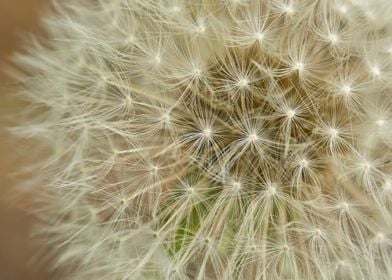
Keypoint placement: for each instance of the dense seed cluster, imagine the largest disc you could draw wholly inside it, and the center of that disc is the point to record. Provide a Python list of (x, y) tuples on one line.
[(216, 139)]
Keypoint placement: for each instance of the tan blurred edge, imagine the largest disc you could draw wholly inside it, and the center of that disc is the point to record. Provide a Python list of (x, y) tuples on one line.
[(17, 17)]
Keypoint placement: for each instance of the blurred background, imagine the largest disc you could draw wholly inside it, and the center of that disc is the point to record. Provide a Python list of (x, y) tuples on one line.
[(17, 18)]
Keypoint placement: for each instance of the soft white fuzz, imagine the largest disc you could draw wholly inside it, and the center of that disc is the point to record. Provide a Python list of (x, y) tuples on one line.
[(215, 139)]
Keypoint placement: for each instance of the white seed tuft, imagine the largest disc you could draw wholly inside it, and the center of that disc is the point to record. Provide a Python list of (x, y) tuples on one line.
[(214, 139)]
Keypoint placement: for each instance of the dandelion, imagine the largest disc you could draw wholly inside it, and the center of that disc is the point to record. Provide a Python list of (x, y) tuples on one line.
[(214, 139)]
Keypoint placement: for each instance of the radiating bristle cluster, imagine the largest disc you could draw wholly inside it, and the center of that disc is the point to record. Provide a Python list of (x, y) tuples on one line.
[(216, 139)]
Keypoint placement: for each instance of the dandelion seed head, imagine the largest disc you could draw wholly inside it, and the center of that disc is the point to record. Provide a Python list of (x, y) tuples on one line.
[(236, 186), (343, 9), (366, 165), (191, 191), (207, 133), (380, 237), (346, 90), (157, 59), (175, 9), (196, 72), (252, 137), (259, 36), (344, 206), (272, 190), (285, 247), (333, 38), (343, 263), (130, 39), (123, 201), (230, 139), (288, 9), (388, 185), (154, 169), (243, 83), (128, 100), (201, 28), (299, 66), (380, 122), (376, 71), (166, 117), (290, 113), (333, 132), (318, 232), (304, 163)]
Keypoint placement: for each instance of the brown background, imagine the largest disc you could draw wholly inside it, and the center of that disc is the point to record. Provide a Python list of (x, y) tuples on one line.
[(16, 250)]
